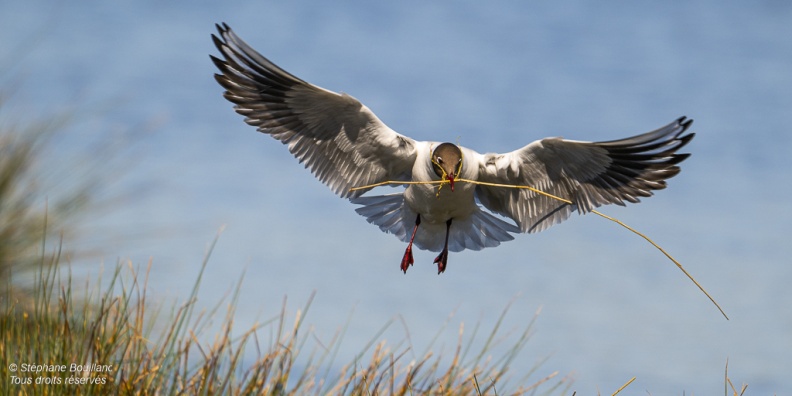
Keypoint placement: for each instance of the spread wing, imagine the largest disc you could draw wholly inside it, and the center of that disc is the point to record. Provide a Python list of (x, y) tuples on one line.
[(589, 174), (339, 139)]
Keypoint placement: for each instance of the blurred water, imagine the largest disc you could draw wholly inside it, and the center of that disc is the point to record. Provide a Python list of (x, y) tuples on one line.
[(496, 78)]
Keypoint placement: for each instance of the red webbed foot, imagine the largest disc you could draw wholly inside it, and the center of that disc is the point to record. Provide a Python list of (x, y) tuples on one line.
[(407, 260), (441, 261)]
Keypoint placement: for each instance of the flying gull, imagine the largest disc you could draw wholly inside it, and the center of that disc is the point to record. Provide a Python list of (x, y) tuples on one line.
[(446, 208)]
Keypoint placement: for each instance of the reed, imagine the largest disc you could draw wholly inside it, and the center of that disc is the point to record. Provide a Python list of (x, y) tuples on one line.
[(132, 350)]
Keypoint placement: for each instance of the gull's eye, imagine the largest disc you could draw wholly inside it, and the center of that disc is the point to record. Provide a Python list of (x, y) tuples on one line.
[(439, 160)]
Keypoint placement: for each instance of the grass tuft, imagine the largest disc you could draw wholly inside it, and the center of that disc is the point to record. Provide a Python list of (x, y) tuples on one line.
[(111, 327)]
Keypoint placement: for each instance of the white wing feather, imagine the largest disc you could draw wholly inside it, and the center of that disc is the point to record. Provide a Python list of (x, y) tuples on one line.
[(339, 139), (588, 174)]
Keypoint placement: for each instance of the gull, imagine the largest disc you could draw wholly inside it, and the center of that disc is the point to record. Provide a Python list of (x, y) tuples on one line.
[(455, 198)]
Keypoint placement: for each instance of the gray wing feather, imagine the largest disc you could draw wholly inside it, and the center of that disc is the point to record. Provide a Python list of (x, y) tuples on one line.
[(589, 174), (339, 139)]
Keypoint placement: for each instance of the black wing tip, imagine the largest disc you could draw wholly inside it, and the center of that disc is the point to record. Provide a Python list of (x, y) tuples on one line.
[(685, 123), (218, 42), (225, 38), (675, 160), (222, 28), (228, 43), (679, 137), (684, 140), (222, 45), (217, 61)]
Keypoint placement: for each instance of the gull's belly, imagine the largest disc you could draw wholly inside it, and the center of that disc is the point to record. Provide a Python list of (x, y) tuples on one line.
[(439, 208)]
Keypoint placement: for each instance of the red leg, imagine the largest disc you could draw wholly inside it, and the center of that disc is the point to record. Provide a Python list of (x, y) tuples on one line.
[(442, 258), (407, 260)]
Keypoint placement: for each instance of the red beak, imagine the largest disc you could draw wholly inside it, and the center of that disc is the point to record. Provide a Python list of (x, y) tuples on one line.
[(451, 181)]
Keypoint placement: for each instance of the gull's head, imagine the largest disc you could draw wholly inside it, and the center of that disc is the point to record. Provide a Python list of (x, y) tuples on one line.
[(447, 162)]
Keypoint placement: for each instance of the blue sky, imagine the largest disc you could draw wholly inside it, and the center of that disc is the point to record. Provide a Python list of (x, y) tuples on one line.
[(493, 77)]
